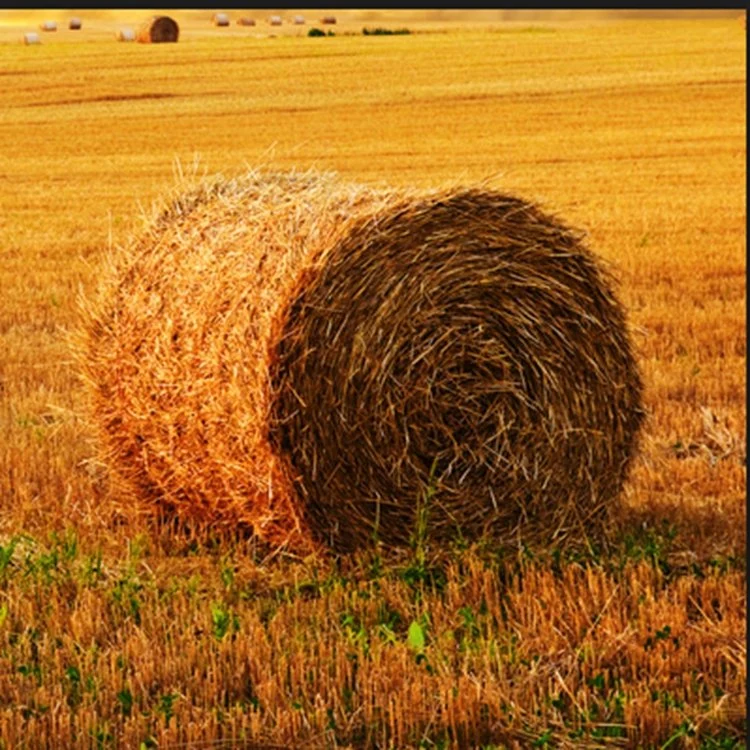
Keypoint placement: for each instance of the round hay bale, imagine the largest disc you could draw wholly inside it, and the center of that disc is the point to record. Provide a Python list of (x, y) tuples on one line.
[(298, 20), (328, 19), (220, 19), (159, 29), (275, 21), (31, 37), (125, 35), (326, 361), (245, 21), (74, 24), (48, 26)]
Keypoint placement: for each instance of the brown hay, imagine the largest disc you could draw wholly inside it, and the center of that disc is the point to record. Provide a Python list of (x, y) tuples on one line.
[(319, 360), (328, 19), (159, 29), (245, 21)]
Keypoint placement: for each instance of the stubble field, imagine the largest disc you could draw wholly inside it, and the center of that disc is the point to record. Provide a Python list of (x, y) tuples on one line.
[(115, 632)]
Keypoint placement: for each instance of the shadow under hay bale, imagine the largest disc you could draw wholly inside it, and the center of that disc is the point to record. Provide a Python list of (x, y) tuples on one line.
[(159, 29), (321, 361)]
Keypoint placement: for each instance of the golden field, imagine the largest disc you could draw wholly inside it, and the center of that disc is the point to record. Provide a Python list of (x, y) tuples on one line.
[(118, 633)]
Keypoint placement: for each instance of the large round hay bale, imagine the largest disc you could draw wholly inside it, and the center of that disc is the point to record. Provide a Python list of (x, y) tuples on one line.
[(31, 37), (159, 29), (323, 360), (245, 21), (275, 21), (74, 24), (48, 26), (220, 19)]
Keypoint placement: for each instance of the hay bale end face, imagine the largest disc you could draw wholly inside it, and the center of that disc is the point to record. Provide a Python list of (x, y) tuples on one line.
[(125, 35), (31, 37), (220, 19), (74, 24), (318, 360), (159, 29)]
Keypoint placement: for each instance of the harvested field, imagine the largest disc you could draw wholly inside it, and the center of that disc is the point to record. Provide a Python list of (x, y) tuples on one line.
[(117, 630)]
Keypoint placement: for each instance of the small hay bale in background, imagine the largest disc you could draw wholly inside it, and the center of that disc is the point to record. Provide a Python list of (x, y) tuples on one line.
[(31, 37), (328, 19), (275, 21), (244, 21), (48, 26), (74, 24), (299, 20), (125, 35), (220, 19), (317, 359), (159, 29)]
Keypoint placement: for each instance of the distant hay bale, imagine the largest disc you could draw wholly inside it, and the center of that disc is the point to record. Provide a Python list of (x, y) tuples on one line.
[(220, 19), (275, 20), (245, 21), (125, 35), (48, 26), (328, 19), (298, 20), (159, 29), (31, 37), (74, 24), (318, 360)]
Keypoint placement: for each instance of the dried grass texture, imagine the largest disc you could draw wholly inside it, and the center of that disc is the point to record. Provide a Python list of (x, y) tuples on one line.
[(325, 361)]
